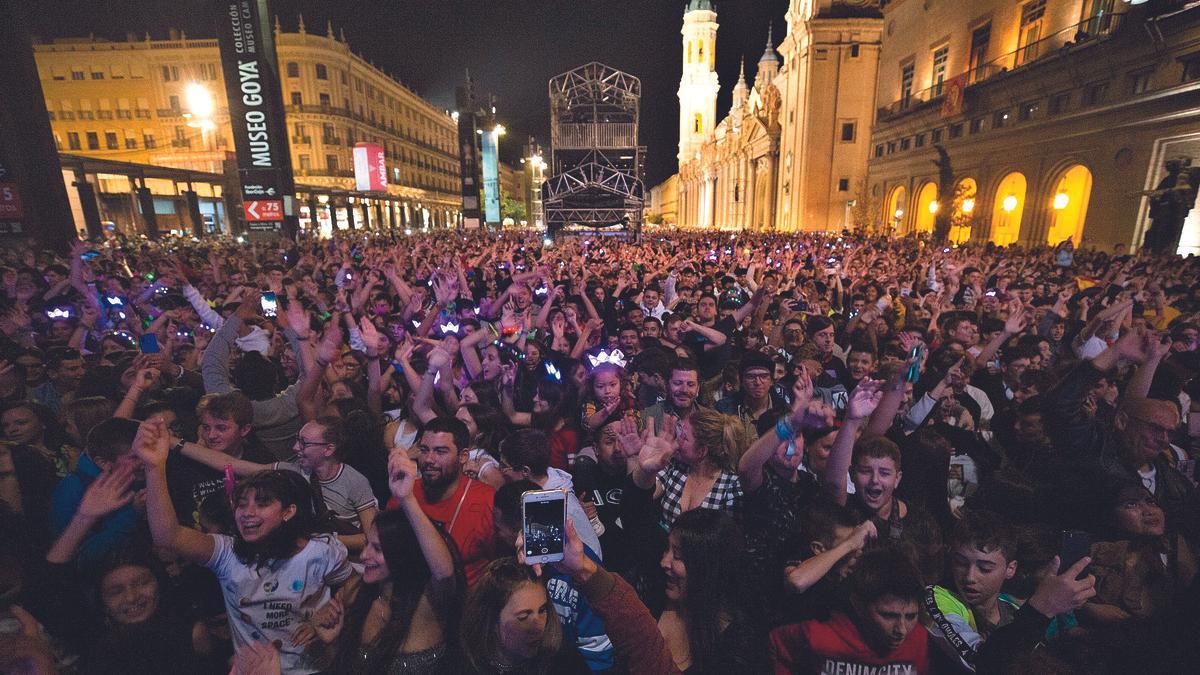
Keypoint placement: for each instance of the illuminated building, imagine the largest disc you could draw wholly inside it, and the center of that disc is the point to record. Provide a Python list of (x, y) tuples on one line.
[(137, 101), (1053, 115), (794, 144)]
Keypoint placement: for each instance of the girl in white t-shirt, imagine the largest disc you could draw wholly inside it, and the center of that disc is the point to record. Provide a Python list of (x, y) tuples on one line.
[(274, 573)]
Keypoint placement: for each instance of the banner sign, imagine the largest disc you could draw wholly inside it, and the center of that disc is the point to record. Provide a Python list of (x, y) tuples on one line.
[(370, 167), (262, 210), (491, 178), (255, 102), (952, 104)]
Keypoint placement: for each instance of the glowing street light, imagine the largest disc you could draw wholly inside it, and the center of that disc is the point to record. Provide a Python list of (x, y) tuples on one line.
[(933, 206), (499, 130), (968, 205), (1009, 204), (899, 214), (200, 106), (1061, 200)]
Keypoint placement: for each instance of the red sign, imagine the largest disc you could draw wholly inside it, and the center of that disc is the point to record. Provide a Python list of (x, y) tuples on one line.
[(370, 167), (952, 104), (263, 210), (10, 202)]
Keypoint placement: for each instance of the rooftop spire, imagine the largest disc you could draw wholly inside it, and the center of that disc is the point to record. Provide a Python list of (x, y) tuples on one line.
[(769, 52), (301, 23), (329, 29)]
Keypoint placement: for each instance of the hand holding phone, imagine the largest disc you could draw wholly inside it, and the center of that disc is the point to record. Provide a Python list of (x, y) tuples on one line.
[(543, 523), (148, 343), (269, 304), (1075, 545)]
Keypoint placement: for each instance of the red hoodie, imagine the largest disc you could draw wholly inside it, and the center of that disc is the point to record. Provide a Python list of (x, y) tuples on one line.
[(835, 647)]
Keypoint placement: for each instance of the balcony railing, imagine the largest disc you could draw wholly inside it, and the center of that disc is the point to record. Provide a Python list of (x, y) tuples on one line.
[(1096, 28), (301, 140), (170, 112)]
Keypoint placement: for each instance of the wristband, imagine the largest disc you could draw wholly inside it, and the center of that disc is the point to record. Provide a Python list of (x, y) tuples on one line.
[(783, 429), (177, 449)]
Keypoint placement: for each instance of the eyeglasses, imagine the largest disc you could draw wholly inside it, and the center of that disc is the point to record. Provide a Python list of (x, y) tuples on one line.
[(304, 444)]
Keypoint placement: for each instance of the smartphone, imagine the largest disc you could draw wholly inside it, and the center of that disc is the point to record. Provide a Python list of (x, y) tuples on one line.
[(1075, 545), (89, 255), (114, 301), (914, 371), (150, 276), (148, 343), (799, 305), (269, 303), (543, 521)]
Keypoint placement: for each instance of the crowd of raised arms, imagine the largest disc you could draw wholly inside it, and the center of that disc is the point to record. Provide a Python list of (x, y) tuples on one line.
[(191, 482)]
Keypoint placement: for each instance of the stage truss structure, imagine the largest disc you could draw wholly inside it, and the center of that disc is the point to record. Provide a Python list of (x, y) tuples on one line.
[(597, 165)]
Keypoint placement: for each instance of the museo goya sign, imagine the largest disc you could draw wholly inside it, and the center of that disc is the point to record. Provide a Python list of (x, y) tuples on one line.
[(255, 110)]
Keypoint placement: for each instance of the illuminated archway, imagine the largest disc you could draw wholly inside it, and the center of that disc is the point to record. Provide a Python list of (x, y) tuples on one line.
[(1007, 209), (895, 207), (927, 207), (964, 210), (1068, 204)]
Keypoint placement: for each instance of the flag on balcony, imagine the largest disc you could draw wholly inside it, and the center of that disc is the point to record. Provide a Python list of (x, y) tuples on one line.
[(952, 104)]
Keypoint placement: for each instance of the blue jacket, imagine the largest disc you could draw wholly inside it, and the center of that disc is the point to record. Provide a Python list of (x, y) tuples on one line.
[(110, 534), (580, 625)]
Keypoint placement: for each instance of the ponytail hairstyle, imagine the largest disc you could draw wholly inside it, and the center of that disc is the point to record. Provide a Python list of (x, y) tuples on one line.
[(723, 437)]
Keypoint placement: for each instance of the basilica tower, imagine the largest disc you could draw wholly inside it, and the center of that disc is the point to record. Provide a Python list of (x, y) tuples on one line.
[(699, 86)]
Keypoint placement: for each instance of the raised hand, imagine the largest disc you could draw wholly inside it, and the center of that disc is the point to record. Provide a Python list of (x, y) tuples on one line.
[(145, 379), (657, 448), (1016, 321), (1061, 593), (438, 358), (802, 393), (402, 473), (628, 436), (109, 492), (296, 318), (251, 303), (372, 341), (152, 443), (331, 342), (864, 400)]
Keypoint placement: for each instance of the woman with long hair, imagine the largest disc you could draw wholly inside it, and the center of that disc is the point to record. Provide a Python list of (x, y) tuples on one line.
[(706, 620), (274, 572), (509, 625), (403, 617)]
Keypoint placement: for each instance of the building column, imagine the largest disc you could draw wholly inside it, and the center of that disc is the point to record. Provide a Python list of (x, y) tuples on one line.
[(772, 186), (145, 205), (752, 194)]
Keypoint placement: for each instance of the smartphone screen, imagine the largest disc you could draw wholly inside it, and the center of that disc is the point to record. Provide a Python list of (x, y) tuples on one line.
[(1075, 545), (269, 304), (543, 515), (148, 343)]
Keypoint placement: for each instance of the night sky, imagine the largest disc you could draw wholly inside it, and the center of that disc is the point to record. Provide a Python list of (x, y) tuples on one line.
[(512, 47)]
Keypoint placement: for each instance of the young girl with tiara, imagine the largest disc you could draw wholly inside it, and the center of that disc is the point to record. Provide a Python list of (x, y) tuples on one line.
[(607, 396)]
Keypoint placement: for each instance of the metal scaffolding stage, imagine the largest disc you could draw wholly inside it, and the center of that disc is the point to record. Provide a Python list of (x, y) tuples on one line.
[(597, 165)]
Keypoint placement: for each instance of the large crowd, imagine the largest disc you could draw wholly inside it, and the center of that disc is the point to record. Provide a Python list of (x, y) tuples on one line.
[(801, 453)]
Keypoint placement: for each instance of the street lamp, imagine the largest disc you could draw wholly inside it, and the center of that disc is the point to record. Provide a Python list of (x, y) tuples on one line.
[(1061, 200), (499, 130), (1009, 204), (200, 106), (933, 206), (968, 205)]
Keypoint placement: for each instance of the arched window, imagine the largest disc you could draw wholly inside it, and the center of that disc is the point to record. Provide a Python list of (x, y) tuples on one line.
[(1069, 203)]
